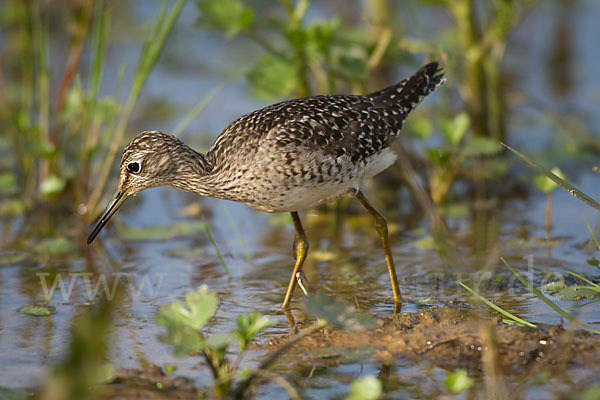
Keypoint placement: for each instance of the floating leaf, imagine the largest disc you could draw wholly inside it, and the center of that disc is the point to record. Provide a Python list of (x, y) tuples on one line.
[(553, 286), (37, 310), (367, 388), (426, 302), (540, 296), (425, 243), (457, 381), (575, 293), (186, 252), (321, 255), (154, 233), (337, 313), (55, 246)]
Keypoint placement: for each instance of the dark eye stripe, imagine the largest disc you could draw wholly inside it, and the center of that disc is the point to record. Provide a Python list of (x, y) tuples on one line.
[(133, 167)]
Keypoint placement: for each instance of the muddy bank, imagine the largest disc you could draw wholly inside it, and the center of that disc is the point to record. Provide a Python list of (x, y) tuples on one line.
[(451, 337)]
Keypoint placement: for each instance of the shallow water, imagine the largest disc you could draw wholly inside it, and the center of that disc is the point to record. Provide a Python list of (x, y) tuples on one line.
[(345, 260)]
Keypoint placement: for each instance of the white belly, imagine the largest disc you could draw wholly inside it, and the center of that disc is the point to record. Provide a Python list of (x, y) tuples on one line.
[(310, 194)]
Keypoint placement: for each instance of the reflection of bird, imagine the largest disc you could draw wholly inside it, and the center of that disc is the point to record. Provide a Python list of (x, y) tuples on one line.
[(289, 156)]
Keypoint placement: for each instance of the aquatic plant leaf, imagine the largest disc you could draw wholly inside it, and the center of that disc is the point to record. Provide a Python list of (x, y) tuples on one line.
[(545, 184), (553, 287), (337, 313), (495, 307), (218, 341), (556, 308), (201, 306), (183, 339), (561, 182), (37, 310), (55, 246), (248, 326), (575, 293), (454, 130), (186, 252), (367, 388), (457, 381), (154, 233), (426, 302), (228, 16)]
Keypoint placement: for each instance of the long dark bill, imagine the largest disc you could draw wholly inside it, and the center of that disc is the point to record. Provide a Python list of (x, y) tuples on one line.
[(112, 208)]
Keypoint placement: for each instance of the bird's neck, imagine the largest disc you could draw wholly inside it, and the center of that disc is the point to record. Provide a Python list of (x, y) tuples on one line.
[(194, 173)]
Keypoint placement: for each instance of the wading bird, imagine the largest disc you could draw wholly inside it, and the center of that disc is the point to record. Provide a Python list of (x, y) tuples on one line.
[(286, 157)]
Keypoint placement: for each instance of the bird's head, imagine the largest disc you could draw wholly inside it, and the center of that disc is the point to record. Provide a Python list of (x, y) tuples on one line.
[(151, 159)]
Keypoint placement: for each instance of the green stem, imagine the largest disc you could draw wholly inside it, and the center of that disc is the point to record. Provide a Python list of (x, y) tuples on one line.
[(150, 54)]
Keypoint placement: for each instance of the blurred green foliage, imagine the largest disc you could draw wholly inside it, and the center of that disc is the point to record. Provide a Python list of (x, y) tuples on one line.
[(184, 324), (62, 143), (300, 56)]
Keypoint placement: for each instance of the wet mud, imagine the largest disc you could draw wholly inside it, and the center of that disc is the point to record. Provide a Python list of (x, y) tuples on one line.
[(451, 337)]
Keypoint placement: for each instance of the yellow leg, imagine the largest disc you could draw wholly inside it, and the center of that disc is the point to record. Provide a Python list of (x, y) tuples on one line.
[(381, 227), (301, 251)]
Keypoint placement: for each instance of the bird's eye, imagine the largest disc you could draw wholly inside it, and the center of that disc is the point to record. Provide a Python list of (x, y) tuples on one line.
[(133, 167)]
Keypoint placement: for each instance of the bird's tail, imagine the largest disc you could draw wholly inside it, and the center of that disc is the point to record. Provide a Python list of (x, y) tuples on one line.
[(406, 95)]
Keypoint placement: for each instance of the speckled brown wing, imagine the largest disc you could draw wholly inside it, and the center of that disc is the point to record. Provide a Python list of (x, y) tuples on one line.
[(334, 125)]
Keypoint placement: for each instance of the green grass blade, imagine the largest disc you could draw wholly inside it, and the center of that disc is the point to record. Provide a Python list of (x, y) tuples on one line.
[(560, 182), (101, 28), (583, 279), (592, 232), (495, 307), (214, 244), (556, 308), (589, 302), (238, 234), (152, 49), (198, 108), (594, 288)]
